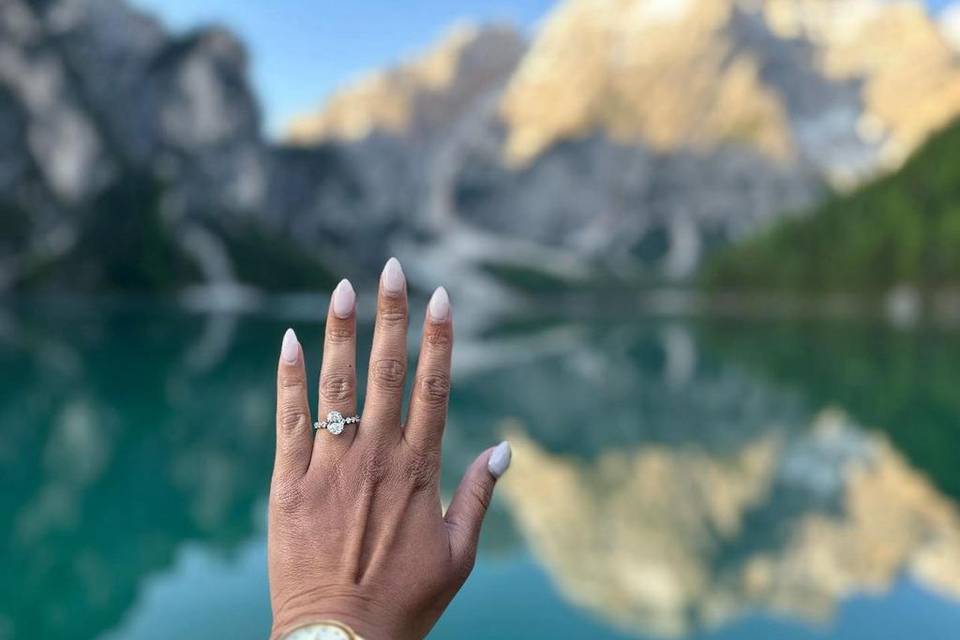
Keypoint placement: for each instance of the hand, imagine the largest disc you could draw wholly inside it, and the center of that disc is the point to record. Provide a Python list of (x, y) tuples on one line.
[(356, 528)]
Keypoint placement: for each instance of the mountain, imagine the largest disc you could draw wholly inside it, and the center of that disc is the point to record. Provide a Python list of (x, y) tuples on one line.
[(852, 88), (637, 135), (622, 142), (901, 229)]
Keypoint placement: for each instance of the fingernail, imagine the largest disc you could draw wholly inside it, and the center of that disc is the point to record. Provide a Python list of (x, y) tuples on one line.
[(392, 277), (290, 350), (499, 460), (439, 306), (344, 298)]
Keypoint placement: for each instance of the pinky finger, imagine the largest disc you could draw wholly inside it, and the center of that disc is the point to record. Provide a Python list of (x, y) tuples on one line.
[(294, 434)]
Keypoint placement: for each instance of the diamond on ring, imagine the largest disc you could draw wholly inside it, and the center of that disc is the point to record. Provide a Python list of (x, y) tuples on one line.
[(335, 422)]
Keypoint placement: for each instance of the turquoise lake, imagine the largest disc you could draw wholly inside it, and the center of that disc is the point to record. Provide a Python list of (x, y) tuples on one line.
[(673, 478)]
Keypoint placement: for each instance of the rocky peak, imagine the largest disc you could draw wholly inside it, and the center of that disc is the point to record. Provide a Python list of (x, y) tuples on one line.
[(852, 87), (907, 74), (420, 97), (641, 71)]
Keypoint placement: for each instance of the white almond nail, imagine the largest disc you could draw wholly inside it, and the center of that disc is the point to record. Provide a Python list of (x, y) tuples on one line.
[(499, 460), (290, 349), (439, 306), (392, 276), (344, 299)]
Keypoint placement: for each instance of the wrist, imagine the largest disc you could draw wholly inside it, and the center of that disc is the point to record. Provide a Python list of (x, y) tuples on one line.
[(322, 630), (363, 622)]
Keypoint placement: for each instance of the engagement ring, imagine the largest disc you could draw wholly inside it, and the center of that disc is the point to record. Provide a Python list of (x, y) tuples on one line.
[(335, 423)]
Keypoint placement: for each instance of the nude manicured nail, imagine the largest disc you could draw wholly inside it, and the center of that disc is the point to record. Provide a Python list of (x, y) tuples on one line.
[(344, 299), (439, 306), (499, 460), (290, 350), (392, 276)]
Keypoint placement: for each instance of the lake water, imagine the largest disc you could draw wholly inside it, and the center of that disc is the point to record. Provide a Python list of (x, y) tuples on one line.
[(672, 478)]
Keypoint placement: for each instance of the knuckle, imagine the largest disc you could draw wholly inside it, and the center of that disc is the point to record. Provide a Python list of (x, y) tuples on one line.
[(287, 495), (291, 416), (420, 469), (389, 373), (337, 386), (339, 335), (393, 315), (433, 389), (373, 469), (439, 337), (482, 495), (292, 383)]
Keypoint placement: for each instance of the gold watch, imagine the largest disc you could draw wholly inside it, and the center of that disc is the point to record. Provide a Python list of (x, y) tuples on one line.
[(325, 630)]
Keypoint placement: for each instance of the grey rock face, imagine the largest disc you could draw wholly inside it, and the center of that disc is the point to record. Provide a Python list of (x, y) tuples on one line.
[(346, 202), (92, 91), (624, 205), (823, 112), (59, 139), (181, 107), (208, 123)]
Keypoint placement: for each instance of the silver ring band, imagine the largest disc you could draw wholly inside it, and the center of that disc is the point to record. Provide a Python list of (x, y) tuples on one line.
[(335, 423)]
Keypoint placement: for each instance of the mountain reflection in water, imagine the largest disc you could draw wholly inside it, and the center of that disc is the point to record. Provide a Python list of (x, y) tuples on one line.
[(668, 540), (670, 478)]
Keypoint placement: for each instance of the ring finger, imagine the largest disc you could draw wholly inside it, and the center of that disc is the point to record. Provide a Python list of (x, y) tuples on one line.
[(338, 373)]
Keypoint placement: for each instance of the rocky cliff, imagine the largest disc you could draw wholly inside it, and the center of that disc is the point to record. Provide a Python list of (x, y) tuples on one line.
[(129, 157), (91, 87)]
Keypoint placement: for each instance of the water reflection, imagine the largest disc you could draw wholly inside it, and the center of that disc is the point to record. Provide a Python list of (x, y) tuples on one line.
[(669, 477), (671, 540), (116, 448)]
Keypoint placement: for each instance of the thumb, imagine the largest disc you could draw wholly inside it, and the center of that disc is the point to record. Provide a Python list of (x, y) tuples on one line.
[(469, 505)]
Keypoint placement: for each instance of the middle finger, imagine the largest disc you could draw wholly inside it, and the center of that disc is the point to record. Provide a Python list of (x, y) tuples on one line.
[(388, 360)]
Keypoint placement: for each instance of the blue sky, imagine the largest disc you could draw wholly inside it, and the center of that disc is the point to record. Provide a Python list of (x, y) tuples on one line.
[(302, 50)]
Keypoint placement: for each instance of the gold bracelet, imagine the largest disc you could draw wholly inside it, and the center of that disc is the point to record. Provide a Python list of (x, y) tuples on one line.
[(324, 630)]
